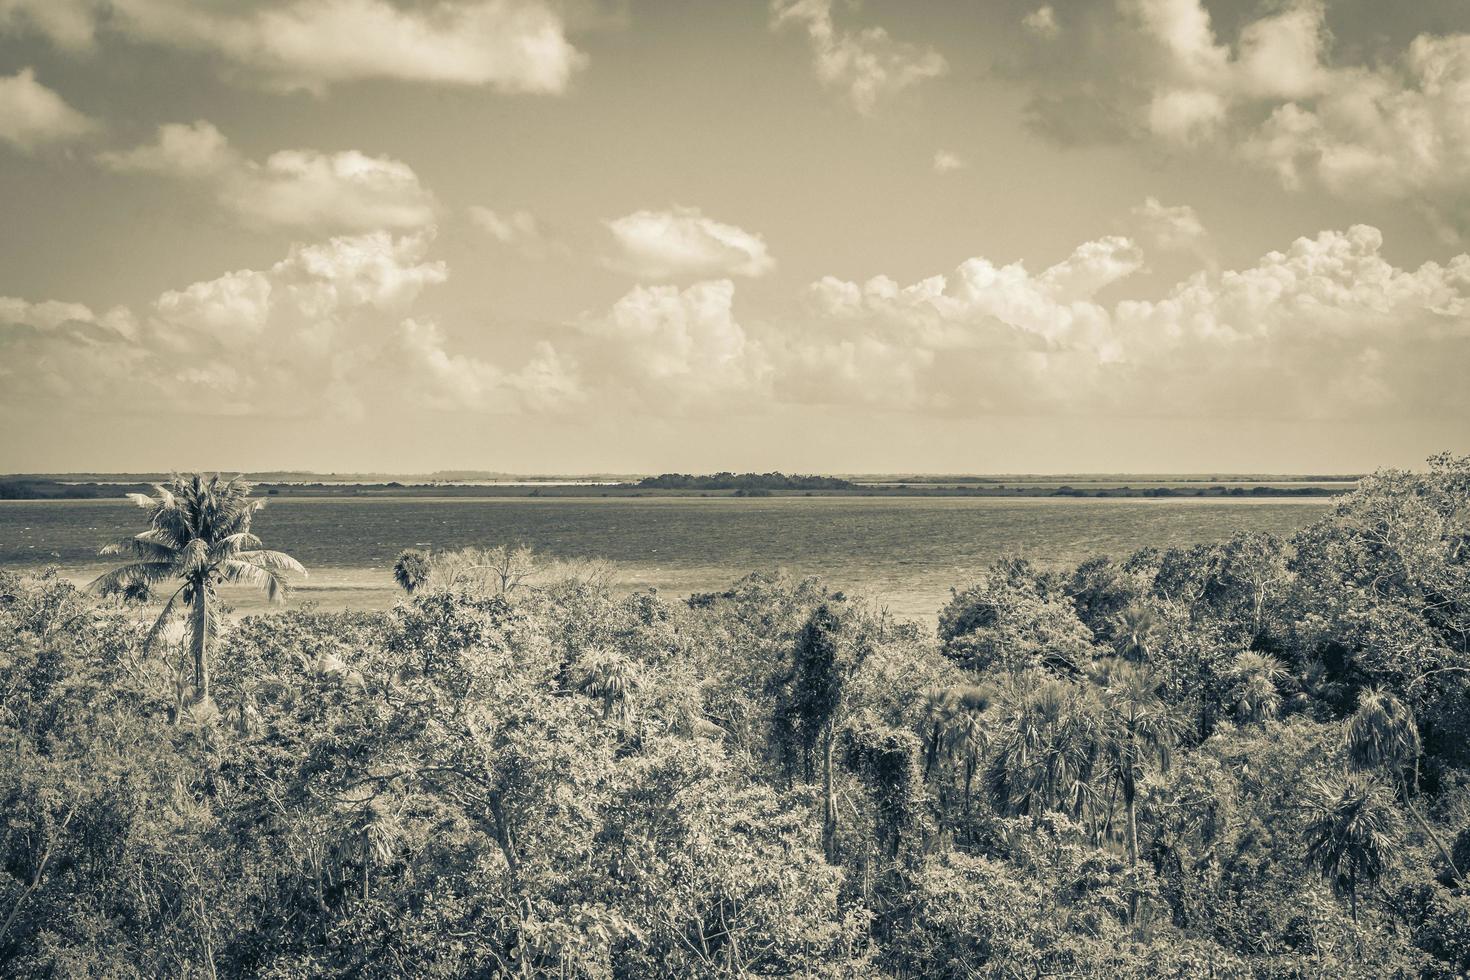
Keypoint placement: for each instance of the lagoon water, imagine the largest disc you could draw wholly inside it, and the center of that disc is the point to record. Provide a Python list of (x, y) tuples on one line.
[(905, 552)]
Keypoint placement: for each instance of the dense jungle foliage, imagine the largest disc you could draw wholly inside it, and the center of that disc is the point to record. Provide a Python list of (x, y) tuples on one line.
[(1243, 759)]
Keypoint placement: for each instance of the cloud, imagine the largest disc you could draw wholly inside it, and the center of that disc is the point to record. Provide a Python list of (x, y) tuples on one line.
[(345, 191), (519, 230), (70, 24), (454, 382), (1042, 22), (946, 162), (32, 116), (326, 330), (1401, 131), (508, 45), (683, 242), (666, 347), (180, 150), (1170, 229), (1326, 329), (1360, 120), (867, 65)]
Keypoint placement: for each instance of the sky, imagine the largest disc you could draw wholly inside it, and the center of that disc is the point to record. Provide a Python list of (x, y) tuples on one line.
[(812, 235)]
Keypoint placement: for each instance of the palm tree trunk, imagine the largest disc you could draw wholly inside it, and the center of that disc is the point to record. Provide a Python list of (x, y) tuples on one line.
[(1430, 833), (1130, 833), (829, 795), (199, 641)]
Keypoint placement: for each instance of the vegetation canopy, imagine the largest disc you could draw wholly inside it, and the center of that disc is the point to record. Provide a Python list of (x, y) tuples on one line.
[(1244, 759)]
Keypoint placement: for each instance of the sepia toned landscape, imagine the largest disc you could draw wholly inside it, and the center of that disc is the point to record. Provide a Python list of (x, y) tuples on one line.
[(619, 489)]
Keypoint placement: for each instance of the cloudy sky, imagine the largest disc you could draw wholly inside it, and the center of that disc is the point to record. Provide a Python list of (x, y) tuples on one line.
[(814, 235)]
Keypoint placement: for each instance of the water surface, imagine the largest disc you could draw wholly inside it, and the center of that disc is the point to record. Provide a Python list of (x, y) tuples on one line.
[(904, 551)]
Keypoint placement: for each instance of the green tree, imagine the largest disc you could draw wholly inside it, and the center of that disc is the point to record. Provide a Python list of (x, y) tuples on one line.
[(198, 535)]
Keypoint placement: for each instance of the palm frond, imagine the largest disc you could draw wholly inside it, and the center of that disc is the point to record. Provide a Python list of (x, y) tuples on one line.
[(165, 616), (277, 561), (231, 545), (244, 573), (150, 572)]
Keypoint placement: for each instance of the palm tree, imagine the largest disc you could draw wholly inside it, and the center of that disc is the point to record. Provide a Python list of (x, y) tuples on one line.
[(1352, 825), (1045, 751), (1381, 735), (1138, 730), (411, 570), (1136, 629), (611, 678), (1254, 690), (198, 534)]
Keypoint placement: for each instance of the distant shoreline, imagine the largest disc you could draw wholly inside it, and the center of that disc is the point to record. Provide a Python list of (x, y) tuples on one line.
[(50, 489)]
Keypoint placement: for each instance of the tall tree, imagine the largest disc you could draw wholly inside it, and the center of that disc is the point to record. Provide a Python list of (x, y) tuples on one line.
[(1351, 828), (1382, 736), (1138, 732), (198, 535), (823, 661)]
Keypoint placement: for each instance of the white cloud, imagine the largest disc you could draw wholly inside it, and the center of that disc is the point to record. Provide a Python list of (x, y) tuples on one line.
[(1170, 228), (1326, 329), (1042, 22), (1363, 122), (1400, 131), (683, 242), (519, 230), (455, 382), (346, 191), (868, 65), (180, 150), (31, 115), (509, 45), (349, 190), (946, 162), (670, 348)]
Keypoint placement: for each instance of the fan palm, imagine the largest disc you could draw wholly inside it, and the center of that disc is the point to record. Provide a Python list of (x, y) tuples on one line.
[(198, 535), (1254, 689), (609, 677), (411, 570), (1138, 730), (1351, 827), (1382, 735)]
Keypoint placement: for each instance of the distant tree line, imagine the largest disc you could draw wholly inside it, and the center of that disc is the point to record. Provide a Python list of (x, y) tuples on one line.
[(744, 481)]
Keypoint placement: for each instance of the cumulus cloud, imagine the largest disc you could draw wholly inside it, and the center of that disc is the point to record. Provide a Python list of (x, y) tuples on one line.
[(1400, 131), (178, 150), (1360, 120), (1326, 329), (683, 242), (329, 329), (519, 230), (31, 115), (509, 45), (667, 347), (1169, 228), (867, 65), (346, 191), (1042, 22)]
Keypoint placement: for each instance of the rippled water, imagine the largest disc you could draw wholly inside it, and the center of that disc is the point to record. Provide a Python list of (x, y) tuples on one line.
[(906, 552)]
